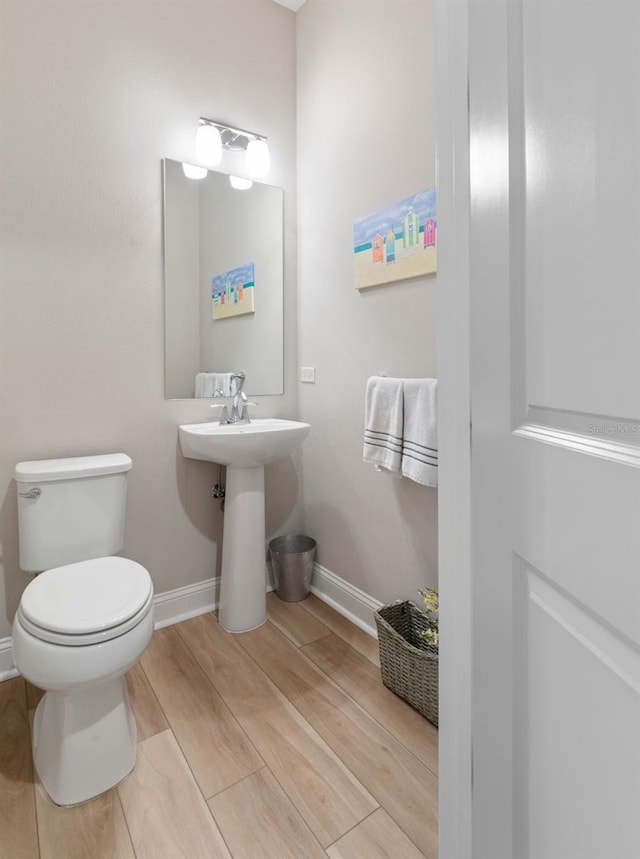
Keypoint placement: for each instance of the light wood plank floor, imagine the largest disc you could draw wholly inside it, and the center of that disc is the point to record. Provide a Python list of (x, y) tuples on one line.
[(280, 743)]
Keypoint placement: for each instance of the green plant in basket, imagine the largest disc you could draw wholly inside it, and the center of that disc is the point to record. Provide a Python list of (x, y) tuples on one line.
[(431, 608)]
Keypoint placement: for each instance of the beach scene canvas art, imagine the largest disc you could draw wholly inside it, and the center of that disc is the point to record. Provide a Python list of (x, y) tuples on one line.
[(232, 293), (396, 242)]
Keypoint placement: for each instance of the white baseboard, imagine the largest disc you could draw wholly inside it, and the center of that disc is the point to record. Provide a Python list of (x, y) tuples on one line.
[(182, 603), (348, 600), (7, 668)]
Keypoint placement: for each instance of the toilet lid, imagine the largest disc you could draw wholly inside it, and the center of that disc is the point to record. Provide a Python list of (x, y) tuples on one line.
[(87, 597)]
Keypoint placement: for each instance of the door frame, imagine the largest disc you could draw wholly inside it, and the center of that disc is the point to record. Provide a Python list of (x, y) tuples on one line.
[(454, 430)]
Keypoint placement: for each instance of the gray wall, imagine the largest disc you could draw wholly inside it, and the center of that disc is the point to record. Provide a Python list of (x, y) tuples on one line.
[(94, 95), (366, 138)]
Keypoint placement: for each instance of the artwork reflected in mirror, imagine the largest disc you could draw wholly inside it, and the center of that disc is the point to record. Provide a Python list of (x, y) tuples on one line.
[(223, 279)]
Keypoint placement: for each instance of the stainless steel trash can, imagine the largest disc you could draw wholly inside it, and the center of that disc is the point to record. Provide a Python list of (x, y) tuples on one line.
[(292, 559)]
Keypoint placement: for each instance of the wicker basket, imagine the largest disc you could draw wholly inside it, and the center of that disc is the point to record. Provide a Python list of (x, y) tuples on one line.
[(409, 665)]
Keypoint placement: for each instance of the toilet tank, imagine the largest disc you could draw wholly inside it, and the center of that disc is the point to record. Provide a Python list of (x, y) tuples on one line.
[(70, 509)]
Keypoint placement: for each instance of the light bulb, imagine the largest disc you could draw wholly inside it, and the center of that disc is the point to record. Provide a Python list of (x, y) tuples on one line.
[(192, 171), (208, 145), (240, 183), (257, 159)]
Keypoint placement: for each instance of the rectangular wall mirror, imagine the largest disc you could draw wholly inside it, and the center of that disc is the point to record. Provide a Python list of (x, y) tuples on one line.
[(223, 283)]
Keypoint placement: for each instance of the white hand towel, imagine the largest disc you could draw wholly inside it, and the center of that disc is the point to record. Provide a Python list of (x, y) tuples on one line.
[(204, 385), (383, 424), (208, 383), (420, 433), (222, 382)]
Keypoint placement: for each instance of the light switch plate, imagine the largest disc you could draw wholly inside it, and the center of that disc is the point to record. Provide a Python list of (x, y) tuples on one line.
[(307, 374)]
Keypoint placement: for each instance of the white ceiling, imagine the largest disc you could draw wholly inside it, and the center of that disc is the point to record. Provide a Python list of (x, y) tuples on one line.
[(294, 5)]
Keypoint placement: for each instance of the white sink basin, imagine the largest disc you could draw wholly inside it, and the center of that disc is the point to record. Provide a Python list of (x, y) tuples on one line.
[(262, 441)]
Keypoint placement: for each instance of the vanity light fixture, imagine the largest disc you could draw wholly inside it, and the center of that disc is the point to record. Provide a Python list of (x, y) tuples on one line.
[(240, 183), (208, 149), (194, 171), (257, 159), (208, 144)]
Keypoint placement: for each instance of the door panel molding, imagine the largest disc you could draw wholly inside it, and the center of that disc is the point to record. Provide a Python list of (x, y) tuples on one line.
[(582, 429), (572, 669), (614, 649), (611, 438)]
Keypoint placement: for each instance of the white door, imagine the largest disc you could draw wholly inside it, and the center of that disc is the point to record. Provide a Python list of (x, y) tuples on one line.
[(554, 123)]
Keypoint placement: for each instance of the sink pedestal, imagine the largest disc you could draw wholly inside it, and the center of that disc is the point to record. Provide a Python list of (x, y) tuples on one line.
[(243, 597), (245, 449)]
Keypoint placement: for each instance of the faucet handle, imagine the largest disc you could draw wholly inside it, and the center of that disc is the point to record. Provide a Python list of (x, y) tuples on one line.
[(245, 414), (224, 418)]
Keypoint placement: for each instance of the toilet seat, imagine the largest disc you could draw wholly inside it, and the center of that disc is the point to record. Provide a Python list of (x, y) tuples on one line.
[(87, 602)]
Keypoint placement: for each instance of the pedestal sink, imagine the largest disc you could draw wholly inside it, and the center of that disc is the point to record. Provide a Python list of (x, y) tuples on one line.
[(245, 449)]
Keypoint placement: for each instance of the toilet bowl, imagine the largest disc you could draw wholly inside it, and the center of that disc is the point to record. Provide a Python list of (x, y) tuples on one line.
[(78, 630), (80, 626)]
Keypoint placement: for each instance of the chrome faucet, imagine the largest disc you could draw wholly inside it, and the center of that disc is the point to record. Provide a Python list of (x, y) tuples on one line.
[(239, 409), (239, 406)]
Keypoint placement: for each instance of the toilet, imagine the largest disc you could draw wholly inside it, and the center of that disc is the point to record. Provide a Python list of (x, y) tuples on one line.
[(82, 623)]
